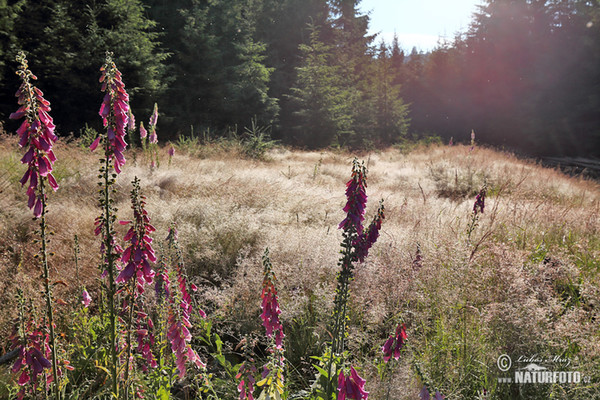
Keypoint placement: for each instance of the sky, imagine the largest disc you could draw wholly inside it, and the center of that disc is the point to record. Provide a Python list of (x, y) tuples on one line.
[(418, 23)]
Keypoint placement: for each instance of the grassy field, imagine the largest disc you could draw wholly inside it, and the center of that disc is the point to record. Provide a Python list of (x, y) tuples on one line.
[(525, 282)]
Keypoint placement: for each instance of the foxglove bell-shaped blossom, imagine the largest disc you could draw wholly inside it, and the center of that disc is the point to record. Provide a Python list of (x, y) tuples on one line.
[(86, 299), (366, 239), (114, 112), (152, 125), (37, 133), (33, 354), (351, 386), (138, 256), (143, 131), (356, 199), (394, 344), (246, 377), (178, 319), (270, 305), (480, 201)]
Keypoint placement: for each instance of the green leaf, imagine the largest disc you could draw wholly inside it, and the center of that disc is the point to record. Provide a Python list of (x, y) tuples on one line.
[(162, 394), (322, 371)]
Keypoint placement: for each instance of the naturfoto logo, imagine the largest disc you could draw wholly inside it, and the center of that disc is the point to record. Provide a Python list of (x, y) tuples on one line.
[(533, 371)]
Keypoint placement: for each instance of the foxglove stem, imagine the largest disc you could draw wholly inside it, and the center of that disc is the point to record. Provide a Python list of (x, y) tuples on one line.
[(48, 294), (114, 112), (131, 310)]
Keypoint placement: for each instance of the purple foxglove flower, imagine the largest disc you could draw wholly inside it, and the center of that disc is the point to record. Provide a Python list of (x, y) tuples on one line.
[(114, 111), (246, 385), (171, 151), (394, 343), (352, 386), (480, 201), (143, 131), (366, 239), (356, 199), (86, 299), (36, 132)]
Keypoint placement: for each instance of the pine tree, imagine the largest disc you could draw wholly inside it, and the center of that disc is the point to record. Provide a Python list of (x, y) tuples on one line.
[(67, 42), (318, 98)]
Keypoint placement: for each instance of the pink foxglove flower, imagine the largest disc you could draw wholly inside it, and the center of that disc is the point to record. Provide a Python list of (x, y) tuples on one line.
[(351, 387), (33, 357), (145, 339), (366, 239), (246, 385), (178, 319), (139, 254), (131, 121), (86, 299), (152, 125), (154, 116), (114, 112), (171, 151), (270, 305), (143, 131), (37, 133), (394, 344)]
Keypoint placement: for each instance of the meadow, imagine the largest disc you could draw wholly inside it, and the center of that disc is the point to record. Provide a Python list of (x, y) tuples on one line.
[(464, 273), (520, 279)]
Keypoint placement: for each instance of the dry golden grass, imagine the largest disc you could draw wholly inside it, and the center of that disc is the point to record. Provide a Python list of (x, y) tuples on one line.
[(526, 282)]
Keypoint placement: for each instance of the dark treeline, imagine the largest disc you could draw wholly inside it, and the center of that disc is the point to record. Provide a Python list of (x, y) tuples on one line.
[(526, 75)]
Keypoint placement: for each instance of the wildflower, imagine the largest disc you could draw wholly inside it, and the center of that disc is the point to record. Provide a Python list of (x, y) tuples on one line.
[(171, 151), (365, 240), (36, 132), (179, 336), (451, 142), (394, 344), (480, 200), (86, 299), (145, 339), (154, 116), (140, 252), (131, 121), (357, 199), (270, 304), (418, 261), (246, 385), (143, 131), (178, 319), (114, 112), (33, 353), (352, 386), (152, 125), (424, 395)]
